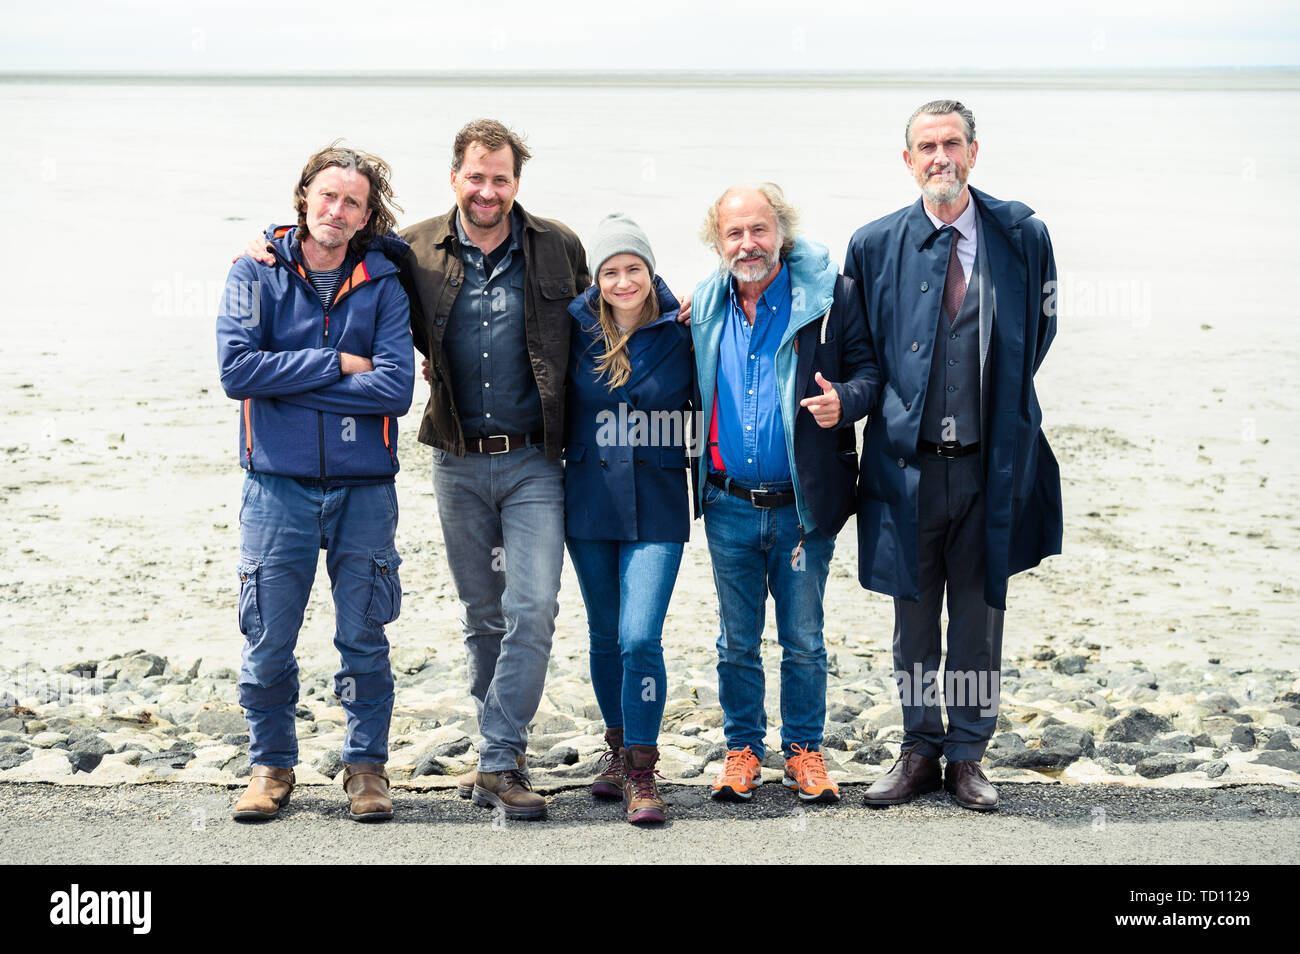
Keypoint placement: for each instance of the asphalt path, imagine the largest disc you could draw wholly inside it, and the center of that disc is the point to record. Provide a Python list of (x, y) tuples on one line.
[(1035, 824)]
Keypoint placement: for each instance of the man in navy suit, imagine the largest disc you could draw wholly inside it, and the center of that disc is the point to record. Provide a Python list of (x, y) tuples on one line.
[(958, 488)]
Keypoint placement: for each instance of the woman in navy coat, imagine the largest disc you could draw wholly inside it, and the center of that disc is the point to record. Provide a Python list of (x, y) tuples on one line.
[(626, 504)]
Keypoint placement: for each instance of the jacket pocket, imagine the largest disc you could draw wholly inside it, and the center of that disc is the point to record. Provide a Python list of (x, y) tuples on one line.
[(250, 612), (385, 587), (557, 289)]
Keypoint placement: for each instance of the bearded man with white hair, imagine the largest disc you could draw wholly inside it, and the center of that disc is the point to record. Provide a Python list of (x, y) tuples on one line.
[(785, 367)]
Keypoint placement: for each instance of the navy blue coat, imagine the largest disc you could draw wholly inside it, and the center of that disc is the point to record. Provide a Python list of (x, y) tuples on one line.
[(902, 291), (625, 450)]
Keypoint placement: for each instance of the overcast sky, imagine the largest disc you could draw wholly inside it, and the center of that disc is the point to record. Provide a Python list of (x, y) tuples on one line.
[(337, 36)]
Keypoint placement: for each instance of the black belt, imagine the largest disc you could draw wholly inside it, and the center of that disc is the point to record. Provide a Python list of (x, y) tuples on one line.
[(948, 450), (502, 443), (765, 499)]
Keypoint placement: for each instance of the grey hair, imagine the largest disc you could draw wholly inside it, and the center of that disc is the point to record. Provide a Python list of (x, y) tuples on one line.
[(942, 107), (787, 217)]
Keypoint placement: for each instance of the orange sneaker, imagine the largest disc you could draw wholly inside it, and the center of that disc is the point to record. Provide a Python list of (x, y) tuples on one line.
[(741, 774), (806, 771)]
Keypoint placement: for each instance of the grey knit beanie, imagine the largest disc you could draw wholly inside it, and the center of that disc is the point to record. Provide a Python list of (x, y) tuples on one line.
[(617, 234)]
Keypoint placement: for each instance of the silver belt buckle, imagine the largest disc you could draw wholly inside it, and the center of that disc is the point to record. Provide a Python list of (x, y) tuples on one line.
[(504, 437)]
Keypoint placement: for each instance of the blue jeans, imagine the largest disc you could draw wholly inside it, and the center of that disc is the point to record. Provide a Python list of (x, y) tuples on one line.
[(626, 585), (503, 527), (751, 550), (283, 526)]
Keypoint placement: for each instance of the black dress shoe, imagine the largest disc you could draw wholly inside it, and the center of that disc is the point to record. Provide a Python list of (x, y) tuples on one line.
[(970, 786), (912, 775)]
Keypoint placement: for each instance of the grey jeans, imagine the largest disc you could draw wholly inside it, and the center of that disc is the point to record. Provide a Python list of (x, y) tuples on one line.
[(503, 526)]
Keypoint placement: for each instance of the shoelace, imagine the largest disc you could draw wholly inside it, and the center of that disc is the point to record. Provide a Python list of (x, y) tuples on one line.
[(612, 761), (810, 764), (736, 761), (516, 777), (643, 782)]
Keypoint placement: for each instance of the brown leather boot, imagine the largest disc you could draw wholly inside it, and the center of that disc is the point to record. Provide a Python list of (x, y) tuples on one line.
[(511, 792), (912, 775), (970, 786), (268, 792), (609, 783), (641, 798), (465, 783), (366, 784)]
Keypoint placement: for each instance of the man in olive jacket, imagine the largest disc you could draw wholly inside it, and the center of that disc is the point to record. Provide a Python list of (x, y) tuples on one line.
[(490, 286)]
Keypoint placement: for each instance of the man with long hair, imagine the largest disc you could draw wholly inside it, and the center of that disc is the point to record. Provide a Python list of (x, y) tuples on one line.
[(315, 346)]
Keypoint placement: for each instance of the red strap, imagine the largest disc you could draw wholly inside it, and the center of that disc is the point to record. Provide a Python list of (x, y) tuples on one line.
[(715, 453)]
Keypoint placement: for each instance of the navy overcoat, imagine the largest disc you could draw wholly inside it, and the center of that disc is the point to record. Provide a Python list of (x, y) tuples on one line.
[(902, 288)]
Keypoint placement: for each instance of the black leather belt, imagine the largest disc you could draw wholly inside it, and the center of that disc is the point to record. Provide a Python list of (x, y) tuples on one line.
[(502, 443), (765, 499), (949, 450)]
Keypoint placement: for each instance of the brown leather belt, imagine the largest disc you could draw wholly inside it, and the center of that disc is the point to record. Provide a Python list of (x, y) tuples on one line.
[(949, 450), (764, 499), (502, 443)]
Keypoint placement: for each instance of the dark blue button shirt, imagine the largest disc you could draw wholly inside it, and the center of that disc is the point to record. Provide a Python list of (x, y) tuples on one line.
[(751, 432), (486, 344)]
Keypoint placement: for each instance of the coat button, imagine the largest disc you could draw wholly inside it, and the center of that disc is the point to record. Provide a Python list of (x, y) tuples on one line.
[(907, 405), (641, 462), (454, 282), (437, 321), (603, 463), (915, 345), (901, 462), (925, 286)]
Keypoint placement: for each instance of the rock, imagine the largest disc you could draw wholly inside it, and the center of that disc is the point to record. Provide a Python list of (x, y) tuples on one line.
[(235, 738), (837, 735), (841, 713), (216, 722), (11, 724), (1004, 744), (1202, 740), (329, 764), (1059, 735), (1173, 742), (1220, 702), (1243, 736), (1283, 760), (174, 759), (557, 724), (1137, 725), (1044, 655), (12, 759), (1167, 763), (454, 748), (558, 755), (1054, 759), (426, 764), (872, 753), (87, 752), (1128, 753), (1279, 742), (712, 752), (302, 712), (1070, 664), (1213, 769), (140, 666)]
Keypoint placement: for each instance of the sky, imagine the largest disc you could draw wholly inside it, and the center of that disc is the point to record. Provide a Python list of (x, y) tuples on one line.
[(332, 36)]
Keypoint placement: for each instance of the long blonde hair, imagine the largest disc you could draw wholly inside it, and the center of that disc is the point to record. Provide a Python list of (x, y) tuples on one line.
[(614, 365)]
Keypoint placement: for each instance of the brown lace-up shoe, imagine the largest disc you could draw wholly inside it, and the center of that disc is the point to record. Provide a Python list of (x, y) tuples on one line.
[(970, 786), (641, 799), (609, 783), (366, 784), (465, 783), (511, 792), (268, 791), (912, 775)]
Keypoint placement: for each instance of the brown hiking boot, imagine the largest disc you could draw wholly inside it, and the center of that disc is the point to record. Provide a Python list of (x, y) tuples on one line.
[(609, 783), (511, 792), (641, 798), (366, 785), (465, 783), (268, 792)]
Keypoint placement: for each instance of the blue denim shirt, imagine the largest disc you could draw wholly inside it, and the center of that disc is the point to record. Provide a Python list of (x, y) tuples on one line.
[(486, 347), (751, 433)]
